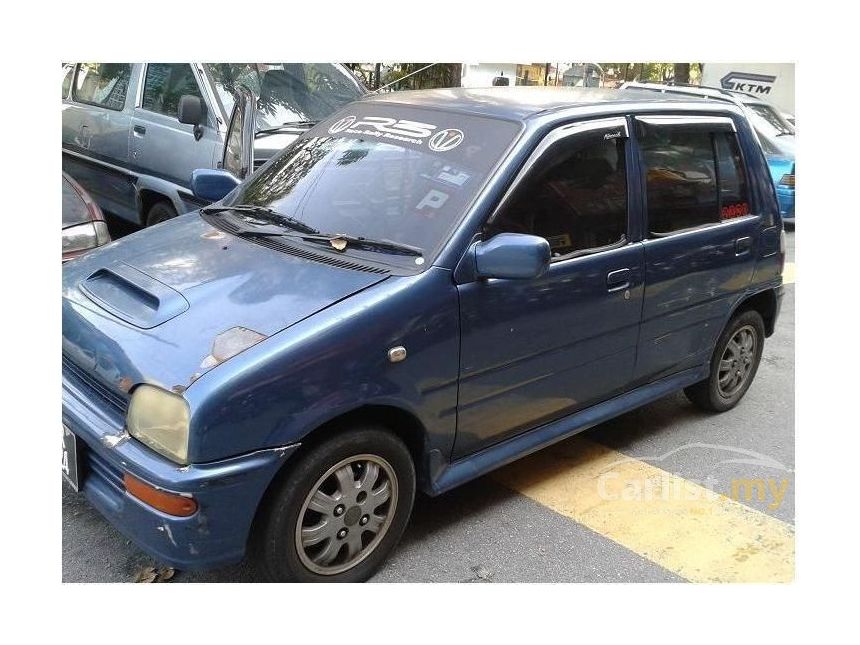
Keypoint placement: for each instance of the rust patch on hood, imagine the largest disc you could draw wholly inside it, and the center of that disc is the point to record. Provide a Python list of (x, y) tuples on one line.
[(226, 345)]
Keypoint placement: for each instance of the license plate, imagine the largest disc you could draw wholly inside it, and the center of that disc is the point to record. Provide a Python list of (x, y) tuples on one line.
[(71, 467)]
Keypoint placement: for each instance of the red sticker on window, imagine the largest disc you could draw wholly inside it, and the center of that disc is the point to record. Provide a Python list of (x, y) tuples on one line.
[(735, 210)]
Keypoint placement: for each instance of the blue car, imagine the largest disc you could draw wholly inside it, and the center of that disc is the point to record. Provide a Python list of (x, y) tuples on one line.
[(422, 288)]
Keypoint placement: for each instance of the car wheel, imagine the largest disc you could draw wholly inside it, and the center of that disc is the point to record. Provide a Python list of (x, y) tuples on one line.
[(160, 212), (339, 511), (733, 366)]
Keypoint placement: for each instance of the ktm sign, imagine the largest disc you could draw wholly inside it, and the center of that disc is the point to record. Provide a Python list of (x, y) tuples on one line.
[(749, 83)]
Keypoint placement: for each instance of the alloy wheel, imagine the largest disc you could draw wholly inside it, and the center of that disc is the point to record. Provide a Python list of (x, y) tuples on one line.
[(737, 361)]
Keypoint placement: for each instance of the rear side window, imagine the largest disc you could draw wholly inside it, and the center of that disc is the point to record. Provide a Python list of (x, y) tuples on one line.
[(577, 199), (165, 84), (104, 84), (693, 178)]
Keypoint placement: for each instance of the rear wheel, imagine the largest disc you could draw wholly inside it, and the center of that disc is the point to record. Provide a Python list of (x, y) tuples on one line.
[(339, 511), (160, 212), (733, 366)]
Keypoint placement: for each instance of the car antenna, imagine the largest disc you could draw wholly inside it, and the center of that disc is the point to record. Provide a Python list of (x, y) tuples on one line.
[(379, 89)]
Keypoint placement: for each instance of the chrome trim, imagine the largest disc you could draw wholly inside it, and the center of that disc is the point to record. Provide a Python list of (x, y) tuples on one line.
[(704, 227)]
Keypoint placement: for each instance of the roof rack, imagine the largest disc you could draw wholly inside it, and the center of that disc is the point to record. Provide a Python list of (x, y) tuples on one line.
[(719, 93)]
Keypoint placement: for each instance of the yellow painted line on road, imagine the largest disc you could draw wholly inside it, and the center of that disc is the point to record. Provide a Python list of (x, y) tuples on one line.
[(686, 528), (788, 273)]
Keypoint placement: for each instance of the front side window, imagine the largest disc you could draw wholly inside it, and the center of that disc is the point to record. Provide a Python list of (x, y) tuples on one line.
[(233, 150), (104, 84), (165, 84), (576, 198), (693, 178), (383, 172)]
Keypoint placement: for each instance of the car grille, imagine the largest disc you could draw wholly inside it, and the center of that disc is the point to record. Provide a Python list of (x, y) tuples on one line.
[(98, 467), (93, 388)]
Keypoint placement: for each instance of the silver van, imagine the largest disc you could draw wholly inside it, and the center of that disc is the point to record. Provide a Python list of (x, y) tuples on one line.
[(134, 132)]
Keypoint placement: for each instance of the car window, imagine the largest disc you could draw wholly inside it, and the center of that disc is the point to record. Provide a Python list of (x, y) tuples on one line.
[(682, 176), (68, 72), (165, 84), (233, 149), (104, 84), (383, 172), (576, 199)]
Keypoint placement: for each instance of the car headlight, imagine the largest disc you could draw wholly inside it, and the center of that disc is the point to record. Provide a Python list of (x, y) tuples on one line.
[(160, 420), (85, 236)]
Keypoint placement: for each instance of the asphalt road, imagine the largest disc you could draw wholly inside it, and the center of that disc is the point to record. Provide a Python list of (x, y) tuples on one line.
[(487, 532)]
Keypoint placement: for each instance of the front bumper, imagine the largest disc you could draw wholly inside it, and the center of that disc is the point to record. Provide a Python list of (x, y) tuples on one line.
[(228, 492)]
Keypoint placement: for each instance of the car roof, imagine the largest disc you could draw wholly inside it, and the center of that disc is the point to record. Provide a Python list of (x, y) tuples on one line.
[(522, 102)]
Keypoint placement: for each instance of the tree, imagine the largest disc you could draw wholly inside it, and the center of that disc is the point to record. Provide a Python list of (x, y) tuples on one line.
[(438, 75), (682, 72)]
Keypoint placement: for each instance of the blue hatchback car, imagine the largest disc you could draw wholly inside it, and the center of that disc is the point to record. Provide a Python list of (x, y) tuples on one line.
[(422, 288)]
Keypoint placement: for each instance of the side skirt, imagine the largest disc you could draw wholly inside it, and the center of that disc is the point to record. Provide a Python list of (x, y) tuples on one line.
[(488, 459)]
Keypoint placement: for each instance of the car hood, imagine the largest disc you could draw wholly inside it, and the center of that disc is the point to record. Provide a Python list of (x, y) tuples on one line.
[(169, 303)]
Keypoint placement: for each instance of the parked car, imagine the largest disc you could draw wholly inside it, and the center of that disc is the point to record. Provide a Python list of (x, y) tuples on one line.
[(84, 226), (774, 131), (134, 132), (424, 287)]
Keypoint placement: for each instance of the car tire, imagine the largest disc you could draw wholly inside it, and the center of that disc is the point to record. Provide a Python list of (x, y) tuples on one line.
[(314, 528), (160, 212), (732, 368)]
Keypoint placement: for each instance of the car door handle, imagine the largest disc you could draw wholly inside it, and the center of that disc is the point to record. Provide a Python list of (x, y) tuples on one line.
[(743, 245), (617, 280), (139, 129)]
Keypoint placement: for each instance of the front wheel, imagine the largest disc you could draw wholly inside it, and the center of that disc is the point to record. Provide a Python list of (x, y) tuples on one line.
[(733, 366), (339, 511)]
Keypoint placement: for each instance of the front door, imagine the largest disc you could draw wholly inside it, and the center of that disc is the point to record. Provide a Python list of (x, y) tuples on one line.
[(160, 145), (536, 350)]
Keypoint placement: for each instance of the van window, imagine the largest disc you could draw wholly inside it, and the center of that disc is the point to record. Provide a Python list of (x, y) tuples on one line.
[(577, 200), (165, 84), (682, 171), (104, 84), (67, 79)]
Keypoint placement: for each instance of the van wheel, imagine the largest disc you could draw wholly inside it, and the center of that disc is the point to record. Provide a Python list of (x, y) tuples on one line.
[(160, 212), (339, 511), (733, 365)]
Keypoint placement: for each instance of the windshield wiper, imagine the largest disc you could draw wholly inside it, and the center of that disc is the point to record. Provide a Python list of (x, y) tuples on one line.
[(341, 241), (265, 214), (286, 126)]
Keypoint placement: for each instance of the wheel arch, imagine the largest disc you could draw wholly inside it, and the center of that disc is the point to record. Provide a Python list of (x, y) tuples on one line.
[(765, 303)]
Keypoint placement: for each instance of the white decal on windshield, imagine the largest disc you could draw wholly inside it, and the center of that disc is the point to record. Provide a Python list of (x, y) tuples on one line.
[(433, 199), (400, 130)]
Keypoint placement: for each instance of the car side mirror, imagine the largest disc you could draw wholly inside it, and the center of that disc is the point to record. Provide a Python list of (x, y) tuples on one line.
[(212, 185), (192, 111), (512, 256)]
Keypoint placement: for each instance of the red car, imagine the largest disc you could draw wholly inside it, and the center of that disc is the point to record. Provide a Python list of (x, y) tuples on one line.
[(84, 225)]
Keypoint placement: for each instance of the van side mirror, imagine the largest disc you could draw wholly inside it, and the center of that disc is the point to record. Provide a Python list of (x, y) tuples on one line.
[(192, 110), (212, 185), (512, 256)]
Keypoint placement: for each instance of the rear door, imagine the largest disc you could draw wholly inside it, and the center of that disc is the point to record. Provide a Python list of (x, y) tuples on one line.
[(536, 350), (160, 145), (701, 237)]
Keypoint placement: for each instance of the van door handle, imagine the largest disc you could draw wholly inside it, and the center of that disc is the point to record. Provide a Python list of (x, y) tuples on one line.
[(139, 129), (618, 280), (743, 245)]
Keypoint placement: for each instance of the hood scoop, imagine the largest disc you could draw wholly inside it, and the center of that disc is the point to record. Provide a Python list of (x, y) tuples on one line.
[(133, 296)]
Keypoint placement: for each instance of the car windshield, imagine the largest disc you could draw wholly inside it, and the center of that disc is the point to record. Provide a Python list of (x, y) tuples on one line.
[(767, 119), (286, 92), (383, 172)]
